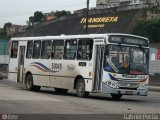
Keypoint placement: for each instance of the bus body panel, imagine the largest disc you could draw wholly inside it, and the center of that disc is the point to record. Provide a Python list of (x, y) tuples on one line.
[(127, 84), (64, 72), (12, 75), (59, 77), (107, 89), (40, 76)]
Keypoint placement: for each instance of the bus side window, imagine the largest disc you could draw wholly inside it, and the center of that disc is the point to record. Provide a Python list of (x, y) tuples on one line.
[(70, 49), (29, 49), (57, 49), (85, 47), (14, 49), (46, 49), (36, 49)]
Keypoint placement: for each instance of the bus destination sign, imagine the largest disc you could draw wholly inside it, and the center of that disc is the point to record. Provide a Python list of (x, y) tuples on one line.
[(128, 40)]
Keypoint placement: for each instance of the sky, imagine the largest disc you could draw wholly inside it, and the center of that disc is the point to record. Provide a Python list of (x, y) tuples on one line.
[(18, 11)]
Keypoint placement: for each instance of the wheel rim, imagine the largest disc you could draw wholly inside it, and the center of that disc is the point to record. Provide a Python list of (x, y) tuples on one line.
[(29, 82), (81, 87)]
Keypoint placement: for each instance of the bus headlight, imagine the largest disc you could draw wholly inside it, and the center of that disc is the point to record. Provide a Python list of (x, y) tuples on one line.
[(112, 84), (142, 87)]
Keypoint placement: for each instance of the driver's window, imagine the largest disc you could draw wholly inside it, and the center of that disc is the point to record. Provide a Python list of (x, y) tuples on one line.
[(117, 58), (113, 54)]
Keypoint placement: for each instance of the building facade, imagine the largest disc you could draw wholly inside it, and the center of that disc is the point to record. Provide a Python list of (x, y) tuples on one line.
[(102, 4), (14, 29), (49, 16)]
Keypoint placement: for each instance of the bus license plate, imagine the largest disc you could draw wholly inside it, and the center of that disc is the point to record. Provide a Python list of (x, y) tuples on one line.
[(128, 92)]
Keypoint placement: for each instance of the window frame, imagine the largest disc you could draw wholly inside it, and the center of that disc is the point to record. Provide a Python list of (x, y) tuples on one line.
[(11, 55), (85, 39), (27, 49), (33, 57), (46, 49), (53, 49), (65, 49)]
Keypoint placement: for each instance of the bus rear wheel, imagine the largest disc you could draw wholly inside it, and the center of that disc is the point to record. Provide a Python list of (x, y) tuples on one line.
[(80, 88), (29, 84), (116, 96), (61, 91)]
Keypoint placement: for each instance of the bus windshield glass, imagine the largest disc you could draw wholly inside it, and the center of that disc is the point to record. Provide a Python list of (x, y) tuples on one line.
[(126, 60)]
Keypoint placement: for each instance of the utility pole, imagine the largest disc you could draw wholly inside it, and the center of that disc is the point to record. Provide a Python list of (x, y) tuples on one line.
[(87, 11)]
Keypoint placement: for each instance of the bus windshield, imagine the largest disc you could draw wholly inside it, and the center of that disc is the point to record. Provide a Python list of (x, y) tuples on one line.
[(126, 60)]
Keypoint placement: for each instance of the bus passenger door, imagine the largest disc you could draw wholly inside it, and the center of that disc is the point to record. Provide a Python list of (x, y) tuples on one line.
[(99, 57), (20, 64)]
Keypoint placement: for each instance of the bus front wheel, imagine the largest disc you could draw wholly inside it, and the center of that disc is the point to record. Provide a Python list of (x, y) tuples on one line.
[(116, 96), (80, 88), (29, 84)]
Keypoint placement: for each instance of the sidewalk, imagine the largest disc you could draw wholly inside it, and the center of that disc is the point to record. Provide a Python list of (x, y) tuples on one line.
[(154, 88), (3, 75)]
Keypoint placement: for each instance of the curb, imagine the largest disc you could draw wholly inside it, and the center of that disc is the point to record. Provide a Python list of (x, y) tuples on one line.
[(3, 74), (154, 88)]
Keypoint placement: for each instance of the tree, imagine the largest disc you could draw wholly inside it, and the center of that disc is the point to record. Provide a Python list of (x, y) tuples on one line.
[(31, 20), (149, 29), (38, 16), (59, 14)]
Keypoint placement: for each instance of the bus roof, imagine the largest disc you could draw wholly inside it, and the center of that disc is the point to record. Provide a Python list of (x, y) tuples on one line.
[(72, 36)]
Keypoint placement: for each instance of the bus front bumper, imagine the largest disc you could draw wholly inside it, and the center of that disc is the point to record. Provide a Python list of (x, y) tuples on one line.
[(109, 90)]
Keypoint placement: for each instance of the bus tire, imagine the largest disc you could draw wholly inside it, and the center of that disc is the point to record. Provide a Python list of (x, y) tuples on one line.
[(116, 96), (29, 83), (61, 91), (80, 88)]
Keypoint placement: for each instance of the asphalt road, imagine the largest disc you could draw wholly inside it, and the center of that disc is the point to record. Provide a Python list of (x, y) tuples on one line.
[(15, 100)]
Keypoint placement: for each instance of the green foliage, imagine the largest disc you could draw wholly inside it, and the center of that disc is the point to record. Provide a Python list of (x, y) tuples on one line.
[(149, 29), (62, 13), (38, 17), (31, 20)]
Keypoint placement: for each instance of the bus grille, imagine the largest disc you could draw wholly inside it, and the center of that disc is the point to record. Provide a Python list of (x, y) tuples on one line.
[(128, 85)]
